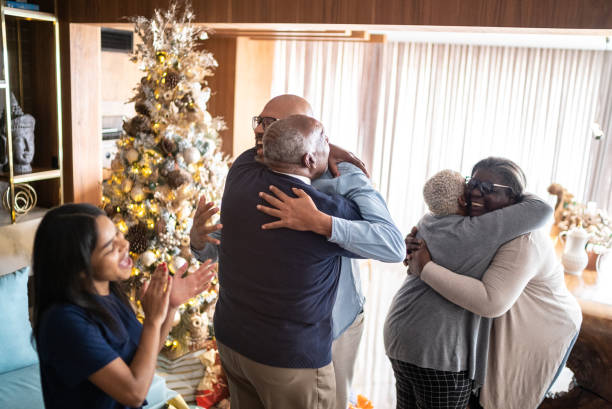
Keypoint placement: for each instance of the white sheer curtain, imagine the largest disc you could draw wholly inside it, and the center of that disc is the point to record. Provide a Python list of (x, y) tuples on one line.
[(411, 109), (600, 182)]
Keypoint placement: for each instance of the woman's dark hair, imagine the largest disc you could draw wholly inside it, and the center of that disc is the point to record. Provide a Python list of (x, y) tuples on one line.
[(508, 171), (61, 262)]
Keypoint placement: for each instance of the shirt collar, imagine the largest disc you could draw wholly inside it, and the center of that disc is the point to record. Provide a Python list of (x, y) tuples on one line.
[(300, 177)]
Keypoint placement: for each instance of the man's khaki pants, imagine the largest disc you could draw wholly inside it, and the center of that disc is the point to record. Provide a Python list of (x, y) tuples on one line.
[(253, 385), (344, 354)]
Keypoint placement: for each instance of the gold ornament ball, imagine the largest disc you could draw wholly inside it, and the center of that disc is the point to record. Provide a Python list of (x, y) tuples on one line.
[(161, 56), (137, 194), (127, 185), (131, 155), (116, 164)]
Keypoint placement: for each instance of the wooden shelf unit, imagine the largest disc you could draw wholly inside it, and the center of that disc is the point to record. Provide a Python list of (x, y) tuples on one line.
[(31, 71)]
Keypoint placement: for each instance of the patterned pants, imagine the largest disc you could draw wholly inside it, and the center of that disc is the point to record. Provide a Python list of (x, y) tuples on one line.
[(424, 388)]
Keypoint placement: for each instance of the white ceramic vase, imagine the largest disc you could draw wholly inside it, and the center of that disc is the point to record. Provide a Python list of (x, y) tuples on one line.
[(575, 257)]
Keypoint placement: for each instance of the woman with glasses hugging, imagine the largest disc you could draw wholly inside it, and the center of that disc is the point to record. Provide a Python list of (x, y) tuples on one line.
[(504, 275)]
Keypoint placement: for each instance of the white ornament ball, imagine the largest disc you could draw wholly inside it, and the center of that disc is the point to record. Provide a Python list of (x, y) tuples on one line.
[(176, 264), (192, 155), (184, 211), (131, 155), (148, 258), (177, 318)]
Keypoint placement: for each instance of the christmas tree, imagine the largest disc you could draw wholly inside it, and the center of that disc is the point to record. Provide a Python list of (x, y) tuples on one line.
[(168, 156)]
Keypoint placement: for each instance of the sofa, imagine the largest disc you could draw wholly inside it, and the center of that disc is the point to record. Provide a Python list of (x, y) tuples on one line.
[(20, 386)]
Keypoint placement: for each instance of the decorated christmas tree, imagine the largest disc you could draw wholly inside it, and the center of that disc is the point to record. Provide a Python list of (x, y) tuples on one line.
[(168, 157)]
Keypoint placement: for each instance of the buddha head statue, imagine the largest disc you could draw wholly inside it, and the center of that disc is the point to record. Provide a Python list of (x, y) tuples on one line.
[(22, 126)]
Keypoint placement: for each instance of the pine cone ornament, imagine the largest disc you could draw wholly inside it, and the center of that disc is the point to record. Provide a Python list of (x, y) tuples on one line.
[(142, 109), (137, 236), (177, 177), (172, 79), (169, 146), (110, 210), (136, 125)]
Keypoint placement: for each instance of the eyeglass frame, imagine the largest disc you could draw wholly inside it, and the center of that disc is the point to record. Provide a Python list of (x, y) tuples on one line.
[(260, 120), (479, 185)]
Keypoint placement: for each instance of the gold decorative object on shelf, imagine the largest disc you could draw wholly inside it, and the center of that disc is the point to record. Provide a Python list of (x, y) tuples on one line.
[(24, 200)]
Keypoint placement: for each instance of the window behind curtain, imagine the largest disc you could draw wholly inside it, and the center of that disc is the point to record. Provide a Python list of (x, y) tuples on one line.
[(411, 109)]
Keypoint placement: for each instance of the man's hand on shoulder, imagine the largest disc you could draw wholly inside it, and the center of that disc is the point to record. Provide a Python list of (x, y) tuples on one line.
[(337, 155), (296, 213), (201, 227)]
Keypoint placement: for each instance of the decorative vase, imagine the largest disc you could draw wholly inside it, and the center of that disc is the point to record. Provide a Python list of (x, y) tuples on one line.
[(575, 257), (604, 262)]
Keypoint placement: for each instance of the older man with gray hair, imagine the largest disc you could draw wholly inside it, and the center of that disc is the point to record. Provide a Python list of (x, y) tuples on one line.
[(277, 287), (286, 147)]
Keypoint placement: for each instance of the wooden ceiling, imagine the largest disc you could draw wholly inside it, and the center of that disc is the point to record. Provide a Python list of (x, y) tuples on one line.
[(580, 14)]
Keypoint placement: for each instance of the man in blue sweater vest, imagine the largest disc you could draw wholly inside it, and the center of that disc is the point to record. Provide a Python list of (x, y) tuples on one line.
[(376, 237), (277, 287)]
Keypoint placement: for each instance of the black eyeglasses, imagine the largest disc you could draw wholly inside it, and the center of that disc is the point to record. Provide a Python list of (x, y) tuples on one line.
[(485, 188), (264, 121)]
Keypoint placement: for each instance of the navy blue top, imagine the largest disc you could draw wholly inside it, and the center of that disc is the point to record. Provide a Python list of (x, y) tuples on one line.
[(277, 287), (72, 345)]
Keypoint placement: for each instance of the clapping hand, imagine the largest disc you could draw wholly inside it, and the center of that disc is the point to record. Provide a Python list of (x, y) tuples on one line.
[(189, 286), (156, 295)]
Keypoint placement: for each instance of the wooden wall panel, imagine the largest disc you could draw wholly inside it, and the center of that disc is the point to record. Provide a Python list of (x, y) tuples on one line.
[(223, 88), (254, 63), (82, 120), (119, 76), (486, 13)]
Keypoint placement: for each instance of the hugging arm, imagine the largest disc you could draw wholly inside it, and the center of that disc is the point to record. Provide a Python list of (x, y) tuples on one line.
[(505, 224), (497, 227), (338, 155), (376, 236), (501, 285)]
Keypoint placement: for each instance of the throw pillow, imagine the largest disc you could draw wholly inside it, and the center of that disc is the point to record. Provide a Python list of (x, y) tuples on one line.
[(16, 350)]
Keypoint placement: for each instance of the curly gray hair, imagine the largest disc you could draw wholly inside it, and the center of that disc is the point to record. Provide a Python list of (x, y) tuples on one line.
[(442, 190)]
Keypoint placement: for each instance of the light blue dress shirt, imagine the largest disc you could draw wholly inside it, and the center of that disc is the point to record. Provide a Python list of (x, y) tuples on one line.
[(376, 237)]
